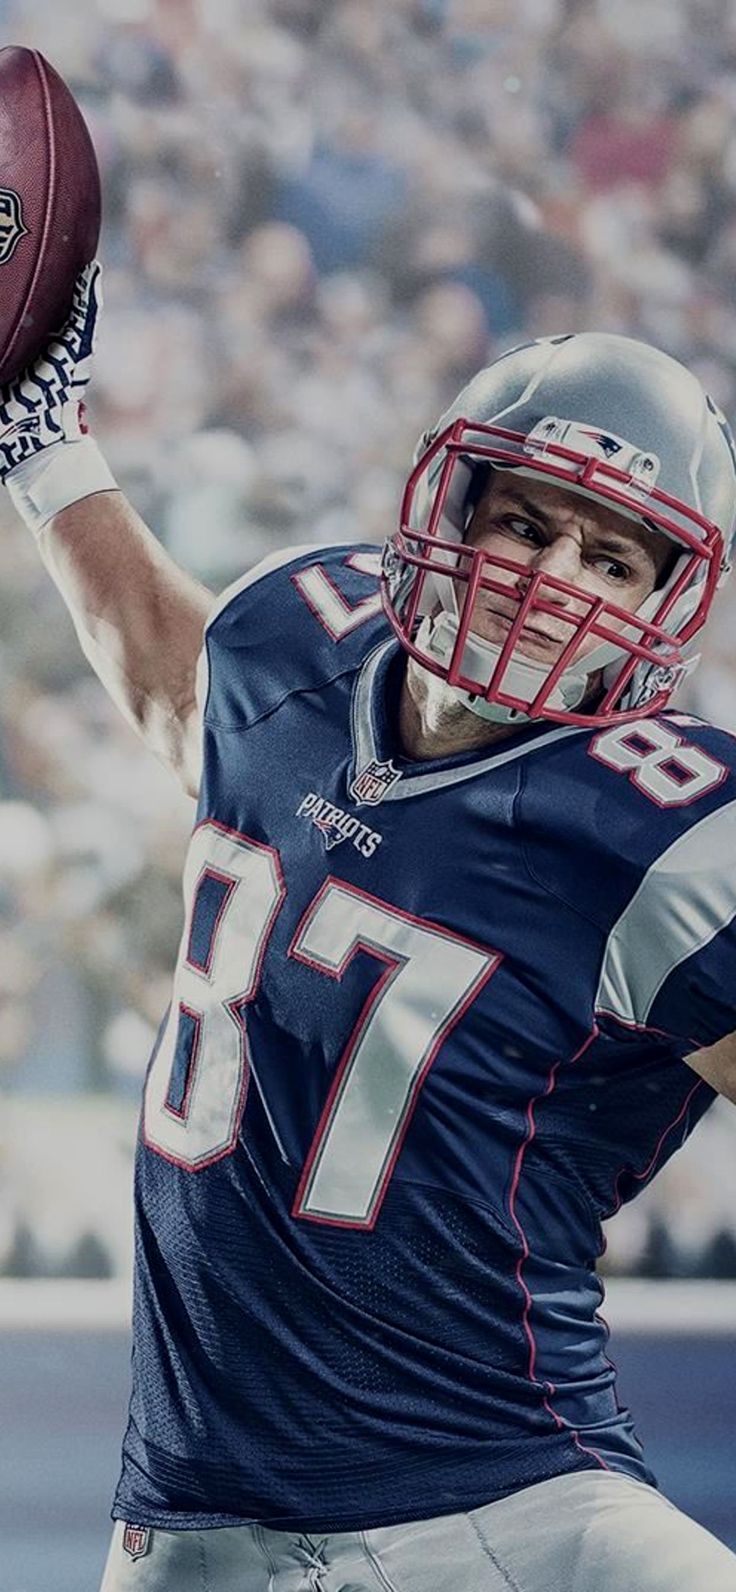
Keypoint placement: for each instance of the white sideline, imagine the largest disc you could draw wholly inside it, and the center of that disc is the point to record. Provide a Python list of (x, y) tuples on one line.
[(673, 1309), (631, 1305), (41, 1304)]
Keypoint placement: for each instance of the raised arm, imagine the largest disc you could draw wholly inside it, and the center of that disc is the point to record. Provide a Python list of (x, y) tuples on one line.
[(138, 616), (139, 619)]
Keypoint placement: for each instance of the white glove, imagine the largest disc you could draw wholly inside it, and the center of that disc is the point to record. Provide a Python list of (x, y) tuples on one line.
[(47, 458)]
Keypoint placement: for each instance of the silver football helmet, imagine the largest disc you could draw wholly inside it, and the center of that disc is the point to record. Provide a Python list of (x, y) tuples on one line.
[(612, 419)]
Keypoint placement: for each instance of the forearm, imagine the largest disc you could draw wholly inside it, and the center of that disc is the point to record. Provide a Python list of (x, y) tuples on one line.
[(138, 616)]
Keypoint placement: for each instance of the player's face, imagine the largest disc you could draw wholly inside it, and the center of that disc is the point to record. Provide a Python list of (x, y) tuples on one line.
[(556, 532)]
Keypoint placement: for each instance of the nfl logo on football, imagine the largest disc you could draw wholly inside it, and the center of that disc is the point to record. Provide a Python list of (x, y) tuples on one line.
[(136, 1541), (373, 782), (11, 223)]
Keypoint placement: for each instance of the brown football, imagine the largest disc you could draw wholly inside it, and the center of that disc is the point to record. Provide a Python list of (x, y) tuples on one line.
[(49, 204)]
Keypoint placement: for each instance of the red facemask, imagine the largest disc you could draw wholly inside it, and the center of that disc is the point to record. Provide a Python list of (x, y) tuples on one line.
[(432, 582)]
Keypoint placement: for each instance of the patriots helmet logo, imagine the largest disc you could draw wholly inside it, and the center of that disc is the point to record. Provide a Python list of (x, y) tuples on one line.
[(329, 831), (608, 445)]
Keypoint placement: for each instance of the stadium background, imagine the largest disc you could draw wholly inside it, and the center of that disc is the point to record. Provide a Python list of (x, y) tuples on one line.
[(320, 218)]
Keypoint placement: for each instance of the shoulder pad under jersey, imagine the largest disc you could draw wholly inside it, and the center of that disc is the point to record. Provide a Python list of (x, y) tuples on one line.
[(299, 618)]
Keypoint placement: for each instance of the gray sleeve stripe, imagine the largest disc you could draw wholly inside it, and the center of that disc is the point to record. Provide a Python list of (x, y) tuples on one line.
[(682, 903)]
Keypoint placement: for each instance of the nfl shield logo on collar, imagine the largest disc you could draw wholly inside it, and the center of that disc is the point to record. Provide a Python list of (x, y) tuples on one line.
[(371, 784), (136, 1540)]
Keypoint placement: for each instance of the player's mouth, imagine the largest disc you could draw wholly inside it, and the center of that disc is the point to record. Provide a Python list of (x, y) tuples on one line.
[(532, 636)]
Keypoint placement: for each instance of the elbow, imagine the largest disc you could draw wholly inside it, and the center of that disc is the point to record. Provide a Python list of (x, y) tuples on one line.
[(175, 738), (188, 764)]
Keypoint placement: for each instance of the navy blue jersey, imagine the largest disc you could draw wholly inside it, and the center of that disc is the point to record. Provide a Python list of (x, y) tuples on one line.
[(427, 1031)]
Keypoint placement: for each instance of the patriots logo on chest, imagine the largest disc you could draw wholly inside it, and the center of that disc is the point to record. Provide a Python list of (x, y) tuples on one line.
[(335, 825)]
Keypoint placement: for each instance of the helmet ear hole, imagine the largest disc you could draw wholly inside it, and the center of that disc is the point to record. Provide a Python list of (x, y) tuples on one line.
[(668, 569)]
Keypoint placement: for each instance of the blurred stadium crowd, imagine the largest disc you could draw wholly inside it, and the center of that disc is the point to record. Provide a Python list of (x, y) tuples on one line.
[(320, 218)]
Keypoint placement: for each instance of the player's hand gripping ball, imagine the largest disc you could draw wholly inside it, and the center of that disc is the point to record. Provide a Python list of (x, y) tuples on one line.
[(46, 404), (49, 206)]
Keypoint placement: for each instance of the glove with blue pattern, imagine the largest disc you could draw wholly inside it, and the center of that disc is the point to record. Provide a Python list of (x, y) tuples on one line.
[(47, 458)]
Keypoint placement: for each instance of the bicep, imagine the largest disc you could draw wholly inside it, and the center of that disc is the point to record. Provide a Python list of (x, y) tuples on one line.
[(138, 616)]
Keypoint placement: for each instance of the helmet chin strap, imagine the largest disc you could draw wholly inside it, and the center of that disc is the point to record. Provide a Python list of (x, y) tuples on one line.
[(522, 677)]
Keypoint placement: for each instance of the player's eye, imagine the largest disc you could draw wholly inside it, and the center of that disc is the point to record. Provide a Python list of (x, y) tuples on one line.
[(614, 569), (524, 529)]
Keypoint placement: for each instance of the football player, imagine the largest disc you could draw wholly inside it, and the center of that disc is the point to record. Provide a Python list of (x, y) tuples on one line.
[(456, 978)]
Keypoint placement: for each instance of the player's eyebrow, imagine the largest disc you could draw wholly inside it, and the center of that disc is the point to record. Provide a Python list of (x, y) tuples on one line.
[(526, 504), (608, 543), (605, 541)]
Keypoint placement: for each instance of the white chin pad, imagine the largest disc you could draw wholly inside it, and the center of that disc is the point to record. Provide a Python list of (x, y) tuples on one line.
[(522, 677)]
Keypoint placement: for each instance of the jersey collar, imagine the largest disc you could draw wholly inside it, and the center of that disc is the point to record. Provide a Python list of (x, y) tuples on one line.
[(375, 739)]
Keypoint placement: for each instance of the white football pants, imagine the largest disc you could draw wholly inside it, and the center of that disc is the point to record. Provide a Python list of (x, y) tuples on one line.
[(593, 1531)]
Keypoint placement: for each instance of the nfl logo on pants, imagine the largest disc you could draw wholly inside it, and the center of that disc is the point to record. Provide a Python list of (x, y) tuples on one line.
[(136, 1541)]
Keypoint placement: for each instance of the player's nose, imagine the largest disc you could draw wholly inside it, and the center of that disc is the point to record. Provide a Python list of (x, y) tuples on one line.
[(559, 558)]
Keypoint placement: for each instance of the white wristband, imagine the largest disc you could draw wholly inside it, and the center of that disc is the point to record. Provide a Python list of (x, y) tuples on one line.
[(56, 477)]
